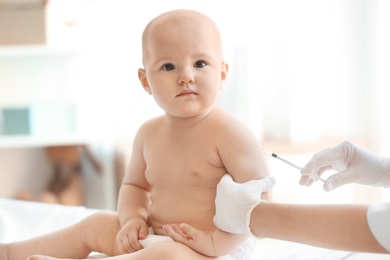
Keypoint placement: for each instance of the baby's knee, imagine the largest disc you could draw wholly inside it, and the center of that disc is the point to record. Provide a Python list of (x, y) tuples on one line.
[(4, 252), (99, 232), (165, 251), (102, 220), (37, 257), (171, 251)]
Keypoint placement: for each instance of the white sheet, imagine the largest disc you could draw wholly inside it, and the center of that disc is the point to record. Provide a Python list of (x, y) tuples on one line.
[(21, 220)]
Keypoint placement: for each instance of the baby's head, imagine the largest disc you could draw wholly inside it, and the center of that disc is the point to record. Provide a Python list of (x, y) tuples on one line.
[(183, 62), (180, 28)]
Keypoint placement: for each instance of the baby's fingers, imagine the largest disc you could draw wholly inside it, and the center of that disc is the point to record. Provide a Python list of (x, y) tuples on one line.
[(135, 244), (129, 244), (124, 246), (176, 233)]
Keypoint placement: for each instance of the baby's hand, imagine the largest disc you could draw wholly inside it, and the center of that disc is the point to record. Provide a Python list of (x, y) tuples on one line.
[(196, 239), (127, 238)]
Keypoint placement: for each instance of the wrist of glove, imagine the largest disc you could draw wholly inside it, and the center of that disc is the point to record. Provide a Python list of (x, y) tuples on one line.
[(234, 203)]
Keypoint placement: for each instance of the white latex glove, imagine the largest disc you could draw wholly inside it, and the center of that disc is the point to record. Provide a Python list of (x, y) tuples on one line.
[(234, 203), (352, 163), (378, 216)]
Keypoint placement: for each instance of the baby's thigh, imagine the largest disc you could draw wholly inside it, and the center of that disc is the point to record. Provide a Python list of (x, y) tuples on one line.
[(100, 232), (171, 251)]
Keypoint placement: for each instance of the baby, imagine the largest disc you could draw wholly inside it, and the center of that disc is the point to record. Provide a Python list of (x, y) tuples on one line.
[(177, 159)]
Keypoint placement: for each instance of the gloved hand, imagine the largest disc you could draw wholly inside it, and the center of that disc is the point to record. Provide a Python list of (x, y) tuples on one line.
[(234, 203), (353, 164)]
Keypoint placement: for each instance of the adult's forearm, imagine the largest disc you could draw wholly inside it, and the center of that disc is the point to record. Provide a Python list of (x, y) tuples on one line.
[(341, 227)]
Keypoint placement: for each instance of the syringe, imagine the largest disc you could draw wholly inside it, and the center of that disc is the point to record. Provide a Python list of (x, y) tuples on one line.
[(313, 176)]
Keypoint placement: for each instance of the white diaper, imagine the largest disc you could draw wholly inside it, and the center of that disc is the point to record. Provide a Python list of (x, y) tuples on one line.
[(243, 252), (152, 238)]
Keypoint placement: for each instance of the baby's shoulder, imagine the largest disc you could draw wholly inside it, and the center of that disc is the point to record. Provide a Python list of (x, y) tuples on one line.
[(150, 126), (226, 121), (153, 122), (230, 127)]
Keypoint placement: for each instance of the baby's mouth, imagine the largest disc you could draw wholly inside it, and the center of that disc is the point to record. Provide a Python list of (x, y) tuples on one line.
[(187, 93)]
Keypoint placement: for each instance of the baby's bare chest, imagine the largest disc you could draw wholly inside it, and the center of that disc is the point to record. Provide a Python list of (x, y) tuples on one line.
[(183, 162)]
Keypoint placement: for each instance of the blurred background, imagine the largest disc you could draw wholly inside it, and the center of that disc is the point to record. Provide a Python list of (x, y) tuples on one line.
[(304, 75)]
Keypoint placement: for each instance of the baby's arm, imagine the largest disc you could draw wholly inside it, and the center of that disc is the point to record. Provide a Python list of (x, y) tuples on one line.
[(217, 243), (133, 201), (241, 155)]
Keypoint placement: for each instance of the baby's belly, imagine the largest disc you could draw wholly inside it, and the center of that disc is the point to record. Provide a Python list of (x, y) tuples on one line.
[(182, 205)]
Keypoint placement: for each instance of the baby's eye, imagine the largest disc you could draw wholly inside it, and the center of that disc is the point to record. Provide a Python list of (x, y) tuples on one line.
[(200, 64), (168, 67)]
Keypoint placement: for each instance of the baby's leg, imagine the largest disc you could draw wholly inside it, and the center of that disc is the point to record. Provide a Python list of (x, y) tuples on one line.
[(3, 252), (160, 250), (95, 233)]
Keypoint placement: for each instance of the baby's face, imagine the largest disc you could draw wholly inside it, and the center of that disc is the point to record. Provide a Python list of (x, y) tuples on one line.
[(184, 66)]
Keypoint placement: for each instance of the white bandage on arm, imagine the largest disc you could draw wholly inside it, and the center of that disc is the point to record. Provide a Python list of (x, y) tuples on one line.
[(378, 218), (234, 203)]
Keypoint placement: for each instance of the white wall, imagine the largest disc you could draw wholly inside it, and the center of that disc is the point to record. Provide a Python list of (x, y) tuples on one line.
[(310, 63)]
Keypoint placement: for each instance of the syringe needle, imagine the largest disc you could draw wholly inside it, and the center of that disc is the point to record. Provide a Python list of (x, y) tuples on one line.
[(314, 176), (285, 161)]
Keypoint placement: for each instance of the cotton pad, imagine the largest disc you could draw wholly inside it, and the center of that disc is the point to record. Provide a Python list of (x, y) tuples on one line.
[(235, 202)]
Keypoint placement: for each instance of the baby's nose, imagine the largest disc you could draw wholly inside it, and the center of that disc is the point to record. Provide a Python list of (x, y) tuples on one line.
[(186, 77)]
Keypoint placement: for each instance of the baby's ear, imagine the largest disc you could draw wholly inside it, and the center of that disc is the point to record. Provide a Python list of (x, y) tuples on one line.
[(144, 80), (224, 70)]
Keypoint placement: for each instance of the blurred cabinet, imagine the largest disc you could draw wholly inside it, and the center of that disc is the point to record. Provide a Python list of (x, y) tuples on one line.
[(55, 24), (106, 149), (22, 22)]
